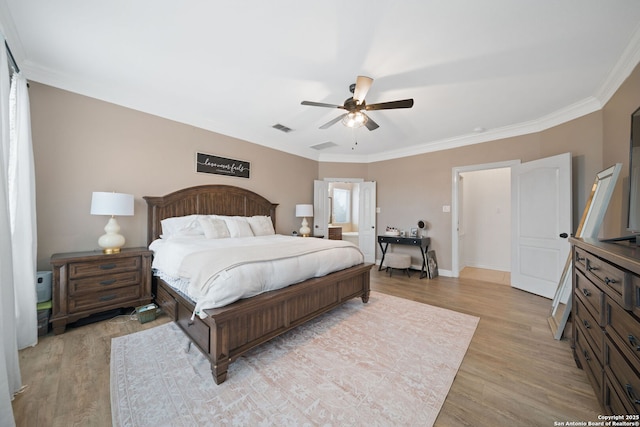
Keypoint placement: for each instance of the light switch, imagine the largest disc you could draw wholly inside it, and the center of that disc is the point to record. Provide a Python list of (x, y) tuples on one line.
[(446, 208)]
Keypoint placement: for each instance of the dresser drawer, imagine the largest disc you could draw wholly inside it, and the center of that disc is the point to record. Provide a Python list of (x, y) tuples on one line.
[(100, 283), (613, 402), (623, 376), (590, 329), (609, 278), (589, 362), (118, 297), (624, 331), (635, 293), (96, 268), (591, 296), (580, 259)]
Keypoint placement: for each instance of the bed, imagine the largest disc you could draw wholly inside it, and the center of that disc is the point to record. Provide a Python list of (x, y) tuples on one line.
[(225, 333)]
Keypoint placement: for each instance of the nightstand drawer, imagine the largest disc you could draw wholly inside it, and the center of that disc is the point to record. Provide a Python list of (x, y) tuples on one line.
[(104, 299), (104, 266), (106, 282)]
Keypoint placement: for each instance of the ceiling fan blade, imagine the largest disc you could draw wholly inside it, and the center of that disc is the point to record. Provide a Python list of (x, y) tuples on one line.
[(333, 122), (363, 84), (371, 125), (321, 104), (404, 103)]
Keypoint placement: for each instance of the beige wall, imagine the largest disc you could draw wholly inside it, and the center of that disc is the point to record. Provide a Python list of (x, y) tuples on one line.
[(83, 145), (76, 139)]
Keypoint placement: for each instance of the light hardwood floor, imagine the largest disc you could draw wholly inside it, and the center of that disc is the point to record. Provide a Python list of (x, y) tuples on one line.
[(514, 372)]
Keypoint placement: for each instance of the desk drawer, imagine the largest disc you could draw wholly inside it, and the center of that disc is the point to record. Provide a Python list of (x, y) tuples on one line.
[(111, 281), (104, 266), (591, 296)]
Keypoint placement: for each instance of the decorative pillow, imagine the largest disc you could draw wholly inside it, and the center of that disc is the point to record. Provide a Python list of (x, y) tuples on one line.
[(214, 228), (261, 225), (181, 225), (238, 226)]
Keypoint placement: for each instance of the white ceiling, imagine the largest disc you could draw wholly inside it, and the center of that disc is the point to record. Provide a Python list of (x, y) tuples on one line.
[(239, 67)]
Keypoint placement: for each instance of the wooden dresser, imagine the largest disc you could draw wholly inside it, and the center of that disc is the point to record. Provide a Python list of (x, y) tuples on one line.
[(606, 321), (85, 283)]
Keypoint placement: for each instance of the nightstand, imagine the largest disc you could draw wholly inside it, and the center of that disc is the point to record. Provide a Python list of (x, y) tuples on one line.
[(85, 283)]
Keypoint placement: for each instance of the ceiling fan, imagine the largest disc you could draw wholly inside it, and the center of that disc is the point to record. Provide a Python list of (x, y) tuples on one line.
[(355, 117)]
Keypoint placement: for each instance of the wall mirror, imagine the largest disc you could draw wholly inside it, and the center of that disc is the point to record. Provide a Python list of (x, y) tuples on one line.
[(589, 226)]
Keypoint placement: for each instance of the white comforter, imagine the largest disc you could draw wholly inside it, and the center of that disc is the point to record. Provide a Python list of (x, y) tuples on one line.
[(218, 272)]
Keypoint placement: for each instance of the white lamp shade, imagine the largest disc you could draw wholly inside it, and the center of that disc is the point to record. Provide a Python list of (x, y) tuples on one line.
[(105, 203), (304, 211)]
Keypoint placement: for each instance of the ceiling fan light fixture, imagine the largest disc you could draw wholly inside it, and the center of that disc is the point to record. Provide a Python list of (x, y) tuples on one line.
[(354, 119)]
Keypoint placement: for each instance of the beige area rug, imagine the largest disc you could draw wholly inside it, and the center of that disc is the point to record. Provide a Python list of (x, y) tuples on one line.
[(390, 362)]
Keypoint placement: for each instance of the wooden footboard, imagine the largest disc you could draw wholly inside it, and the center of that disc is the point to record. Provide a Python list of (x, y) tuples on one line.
[(228, 332)]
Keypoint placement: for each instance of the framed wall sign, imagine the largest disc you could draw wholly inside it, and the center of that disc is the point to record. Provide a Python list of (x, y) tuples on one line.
[(208, 163)]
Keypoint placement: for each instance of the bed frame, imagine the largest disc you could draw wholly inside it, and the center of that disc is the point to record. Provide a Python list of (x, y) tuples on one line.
[(228, 332)]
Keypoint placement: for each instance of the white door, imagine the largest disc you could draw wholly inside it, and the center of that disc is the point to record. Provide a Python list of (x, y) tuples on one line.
[(367, 221), (541, 209), (321, 208)]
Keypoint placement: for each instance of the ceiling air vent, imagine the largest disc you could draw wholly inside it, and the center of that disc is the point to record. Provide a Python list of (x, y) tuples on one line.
[(324, 145), (283, 128)]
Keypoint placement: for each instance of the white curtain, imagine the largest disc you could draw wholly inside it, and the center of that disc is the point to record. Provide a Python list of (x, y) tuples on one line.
[(10, 380), (22, 213), (18, 239)]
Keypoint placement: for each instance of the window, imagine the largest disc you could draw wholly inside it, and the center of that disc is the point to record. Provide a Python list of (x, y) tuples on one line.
[(341, 205)]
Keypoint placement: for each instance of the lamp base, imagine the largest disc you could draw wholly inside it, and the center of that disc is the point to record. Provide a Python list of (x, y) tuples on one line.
[(111, 241), (305, 231)]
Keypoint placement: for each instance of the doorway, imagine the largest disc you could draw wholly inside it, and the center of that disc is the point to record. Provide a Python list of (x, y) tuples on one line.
[(481, 213)]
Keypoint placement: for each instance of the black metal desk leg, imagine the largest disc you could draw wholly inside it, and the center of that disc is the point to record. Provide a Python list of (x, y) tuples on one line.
[(384, 251)]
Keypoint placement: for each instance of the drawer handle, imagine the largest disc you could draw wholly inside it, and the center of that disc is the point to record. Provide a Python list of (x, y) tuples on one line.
[(591, 268), (108, 297), (609, 281), (586, 292), (634, 342), (580, 258), (586, 355), (586, 324), (107, 266), (190, 323), (631, 394), (108, 282)]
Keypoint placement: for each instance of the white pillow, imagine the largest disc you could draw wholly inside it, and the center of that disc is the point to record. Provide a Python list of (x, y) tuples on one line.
[(181, 225), (238, 226), (261, 225), (214, 228)]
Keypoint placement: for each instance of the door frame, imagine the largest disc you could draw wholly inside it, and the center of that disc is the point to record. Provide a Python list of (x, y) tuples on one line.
[(455, 205)]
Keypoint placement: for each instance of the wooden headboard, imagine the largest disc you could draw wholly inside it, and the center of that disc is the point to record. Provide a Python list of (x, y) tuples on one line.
[(205, 200)]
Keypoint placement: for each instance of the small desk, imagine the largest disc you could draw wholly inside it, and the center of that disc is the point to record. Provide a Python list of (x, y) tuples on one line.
[(421, 242)]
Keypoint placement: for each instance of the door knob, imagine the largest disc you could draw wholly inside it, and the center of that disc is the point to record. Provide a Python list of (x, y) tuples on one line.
[(564, 235)]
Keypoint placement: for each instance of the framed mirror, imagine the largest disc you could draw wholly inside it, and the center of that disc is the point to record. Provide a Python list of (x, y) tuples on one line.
[(589, 226)]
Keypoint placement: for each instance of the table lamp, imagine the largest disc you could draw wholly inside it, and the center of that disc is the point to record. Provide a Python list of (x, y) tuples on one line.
[(304, 211), (104, 203)]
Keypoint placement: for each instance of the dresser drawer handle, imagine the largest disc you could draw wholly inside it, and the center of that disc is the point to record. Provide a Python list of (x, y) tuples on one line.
[(609, 281), (586, 324), (631, 394), (591, 268), (586, 292), (580, 258), (586, 355), (634, 342), (108, 282), (107, 266), (108, 297)]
